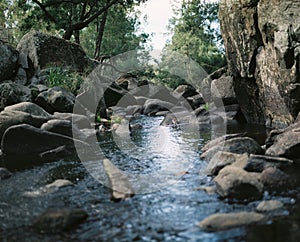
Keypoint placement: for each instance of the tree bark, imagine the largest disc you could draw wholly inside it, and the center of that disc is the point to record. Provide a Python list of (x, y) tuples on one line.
[(100, 35)]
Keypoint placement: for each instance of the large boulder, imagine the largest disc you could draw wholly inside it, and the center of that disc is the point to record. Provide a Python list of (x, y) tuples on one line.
[(45, 50), (10, 118), (8, 62), (56, 99), (30, 108), (239, 145), (12, 93), (235, 183), (262, 49), (152, 106)]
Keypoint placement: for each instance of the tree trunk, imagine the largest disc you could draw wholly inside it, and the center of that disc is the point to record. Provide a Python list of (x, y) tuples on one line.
[(100, 35), (77, 36), (68, 34)]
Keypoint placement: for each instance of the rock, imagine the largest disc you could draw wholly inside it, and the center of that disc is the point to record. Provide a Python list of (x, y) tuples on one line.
[(196, 101), (59, 220), (218, 140), (262, 55), (30, 108), (286, 144), (10, 118), (268, 206), (140, 100), (118, 97), (25, 140), (275, 180), (8, 62), (224, 221), (152, 106), (186, 91), (222, 159), (56, 99), (237, 184), (45, 50), (258, 163), (59, 183), (81, 121), (21, 77), (120, 185), (222, 89), (4, 173), (239, 145), (12, 93), (63, 127)]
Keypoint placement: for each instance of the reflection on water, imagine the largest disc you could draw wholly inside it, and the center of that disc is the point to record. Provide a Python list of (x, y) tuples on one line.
[(169, 214)]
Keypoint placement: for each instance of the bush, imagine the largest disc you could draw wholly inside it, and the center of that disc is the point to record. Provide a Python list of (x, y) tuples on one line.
[(67, 79)]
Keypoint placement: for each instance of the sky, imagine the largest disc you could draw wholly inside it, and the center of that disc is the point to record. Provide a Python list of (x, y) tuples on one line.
[(158, 14)]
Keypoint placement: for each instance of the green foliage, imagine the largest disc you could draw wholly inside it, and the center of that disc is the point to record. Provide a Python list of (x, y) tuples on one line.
[(71, 81), (196, 36)]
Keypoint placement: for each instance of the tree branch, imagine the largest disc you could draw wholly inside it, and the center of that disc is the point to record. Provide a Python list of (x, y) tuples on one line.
[(48, 15)]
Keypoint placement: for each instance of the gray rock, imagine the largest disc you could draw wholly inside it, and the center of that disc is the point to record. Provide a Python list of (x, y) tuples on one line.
[(45, 50), (185, 91), (286, 144), (4, 173), (118, 97), (239, 145), (30, 108), (260, 41), (258, 163), (12, 93), (235, 183), (25, 140), (59, 183), (10, 118), (152, 106), (8, 62), (222, 89), (224, 221), (196, 101), (59, 220), (140, 100), (21, 77), (268, 206), (275, 180), (56, 99), (81, 121), (222, 159)]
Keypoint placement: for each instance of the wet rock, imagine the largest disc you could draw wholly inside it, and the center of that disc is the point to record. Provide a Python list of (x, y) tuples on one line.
[(8, 62), (4, 173), (120, 185), (59, 183), (235, 183), (185, 91), (114, 96), (59, 220), (222, 89), (286, 144), (239, 145), (224, 221), (258, 163), (30, 108), (10, 118), (12, 93), (56, 99), (218, 140), (45, 50), (268, 206), (140, 100), (152, 106), (275, 180), (222, 159)]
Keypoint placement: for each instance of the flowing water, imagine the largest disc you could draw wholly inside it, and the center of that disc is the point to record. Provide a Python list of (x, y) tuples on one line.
[(169, 213)]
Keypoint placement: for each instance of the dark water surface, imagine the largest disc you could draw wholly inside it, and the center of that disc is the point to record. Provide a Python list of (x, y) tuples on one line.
[(168, 214)]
